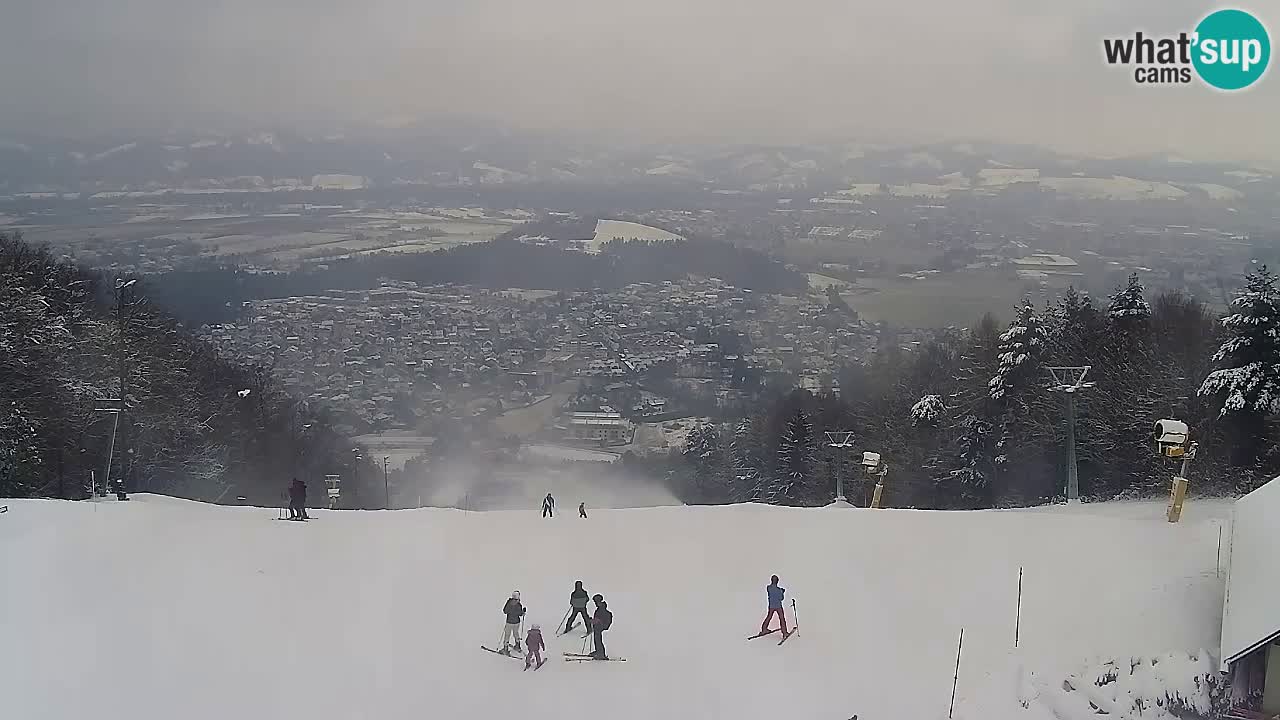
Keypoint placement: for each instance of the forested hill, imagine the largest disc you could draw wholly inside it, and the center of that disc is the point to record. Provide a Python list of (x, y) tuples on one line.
[(210, 296), (970, 420), (195, 426)]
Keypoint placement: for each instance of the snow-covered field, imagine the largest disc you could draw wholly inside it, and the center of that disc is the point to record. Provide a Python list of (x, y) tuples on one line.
[(608, 230), (160, 608)]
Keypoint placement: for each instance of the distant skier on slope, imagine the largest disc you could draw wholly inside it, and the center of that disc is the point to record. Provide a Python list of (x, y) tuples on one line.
[(534, 646), (602, 621), (548, 506), (578, 606), (515, 614), (776, 594), (582, 509)]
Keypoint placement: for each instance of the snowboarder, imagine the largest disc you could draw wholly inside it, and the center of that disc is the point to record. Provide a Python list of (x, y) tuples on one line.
[(601, 622), (534, 646), (775, 606), (548, 506), (298, 500), (582, 509), (515, 615), (578, 606)]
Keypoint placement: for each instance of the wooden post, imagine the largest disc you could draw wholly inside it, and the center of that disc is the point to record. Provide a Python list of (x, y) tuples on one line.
[(875, 496), (956, 680), (1017, 623), (1217, 562), (1177, 494)]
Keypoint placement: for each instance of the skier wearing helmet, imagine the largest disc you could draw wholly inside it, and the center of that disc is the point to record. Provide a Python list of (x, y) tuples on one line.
[(534, 646), (602, 621), (515, 614)]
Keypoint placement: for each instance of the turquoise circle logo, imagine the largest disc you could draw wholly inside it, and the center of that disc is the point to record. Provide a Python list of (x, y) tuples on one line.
[(1232, 49)]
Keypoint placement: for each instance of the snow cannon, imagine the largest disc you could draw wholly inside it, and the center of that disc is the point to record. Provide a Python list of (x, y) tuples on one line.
[(1173, 441), (1171, 438), (871, 462), (874, 467)]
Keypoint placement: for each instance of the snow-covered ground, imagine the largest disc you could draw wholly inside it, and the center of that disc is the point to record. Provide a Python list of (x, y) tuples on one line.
[(160, 608), (609, 230)]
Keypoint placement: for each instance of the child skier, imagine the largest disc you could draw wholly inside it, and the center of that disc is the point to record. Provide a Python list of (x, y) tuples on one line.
[(534, 646), (578, 606), (775, 606), (515, 614)]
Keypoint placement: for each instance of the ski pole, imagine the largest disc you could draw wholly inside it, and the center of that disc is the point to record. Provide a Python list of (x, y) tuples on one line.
[(563, 626), (795, 616)]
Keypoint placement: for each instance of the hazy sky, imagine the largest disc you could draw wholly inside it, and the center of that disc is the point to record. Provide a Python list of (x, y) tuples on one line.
[(738, 70)]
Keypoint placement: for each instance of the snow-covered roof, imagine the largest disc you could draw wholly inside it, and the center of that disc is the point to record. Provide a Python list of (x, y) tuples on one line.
[(1250, 613)]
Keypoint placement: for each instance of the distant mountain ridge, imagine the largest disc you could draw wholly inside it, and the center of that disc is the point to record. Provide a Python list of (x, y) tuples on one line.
[(282, 160)]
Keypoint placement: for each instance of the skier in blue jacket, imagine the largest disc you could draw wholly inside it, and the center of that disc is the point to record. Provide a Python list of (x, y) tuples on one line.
[(776, 594)]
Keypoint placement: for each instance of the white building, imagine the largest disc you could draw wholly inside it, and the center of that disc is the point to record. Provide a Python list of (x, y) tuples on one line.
[(608, 428), (1251, 608)]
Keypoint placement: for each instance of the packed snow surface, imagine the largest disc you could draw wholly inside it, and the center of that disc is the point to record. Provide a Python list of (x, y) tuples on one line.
[(160, 608)]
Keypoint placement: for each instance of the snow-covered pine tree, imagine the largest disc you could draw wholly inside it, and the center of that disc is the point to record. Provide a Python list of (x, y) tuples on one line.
[(703, 453), (928, 410), (1247, 378), (746, 454), (1129, 304), (1020, 349), (797, 459), (968, 484), (1073, 329)]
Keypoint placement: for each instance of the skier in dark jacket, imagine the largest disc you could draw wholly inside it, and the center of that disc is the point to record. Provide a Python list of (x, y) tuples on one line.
[(602, 621), (548, 506), (775, 606), (582, 509), (515, 615), (578, 606), (297, 500), (534, 645)]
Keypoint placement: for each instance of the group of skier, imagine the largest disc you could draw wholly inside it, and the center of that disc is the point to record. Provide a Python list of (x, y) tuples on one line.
[(298, 500), (596, 624), (549, 507), (514, 612)]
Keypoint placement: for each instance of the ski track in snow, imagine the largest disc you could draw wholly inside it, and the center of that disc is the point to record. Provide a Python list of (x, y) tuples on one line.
[(159, 608)]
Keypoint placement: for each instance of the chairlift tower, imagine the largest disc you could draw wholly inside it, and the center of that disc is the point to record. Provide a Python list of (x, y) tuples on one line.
[(1070, 380), (841, 440)]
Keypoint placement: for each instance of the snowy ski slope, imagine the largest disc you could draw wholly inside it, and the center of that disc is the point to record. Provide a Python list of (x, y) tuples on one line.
[(159, 608)]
